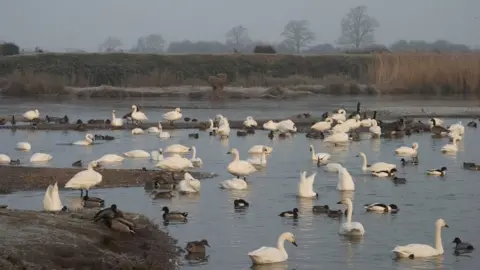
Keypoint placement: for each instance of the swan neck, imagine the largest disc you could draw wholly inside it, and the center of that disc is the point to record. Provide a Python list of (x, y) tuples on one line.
[(281, 244), (349, 211), (194, 152), (113, 116), (438, 239), (263, 157), (364, 165), (160, 127), (235, 156), (313, 152)]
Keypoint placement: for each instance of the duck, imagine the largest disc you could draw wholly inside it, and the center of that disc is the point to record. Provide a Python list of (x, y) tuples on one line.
[(108, 213), (137, 154), (40, 157), (305, 186), (116, 122), (259, 149), (322, 125), (337, 138), (345, 181), (241, 133), (5, 159), (137, 131), (381, 208), (249, 122), (385, 173), (399, 180), (315, 135), (378, 166), (119, 224), (341, 115), (92, 202), (110, 158), (270, 125), (87, 141), (138, 116), (413, 161), (331, 166), (157, 155), (172, 116), (451, 147), (322, 157), (31, 115), (320, 209), (407, 151), (197, 246), (293, 213), (234, 183), (175, 163), (259, 162), (173, 215), (420, 250), (240, 204), (271, 135), (177, 148), (239, 167), (51, 200), (350, 228), (193, 135), (77, 163), (437, 172), (336, 213), (472, 124), (85, 179), (196, 161), (268, 255), (462, 247), (23, 146), (163, 194), (14, 162), (471, 166), (189, 184)]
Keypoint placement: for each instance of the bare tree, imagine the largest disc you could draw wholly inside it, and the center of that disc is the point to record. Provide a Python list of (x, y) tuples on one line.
[(298, 34), (150, 44), (110, 44), (358, 28), (238, 36)]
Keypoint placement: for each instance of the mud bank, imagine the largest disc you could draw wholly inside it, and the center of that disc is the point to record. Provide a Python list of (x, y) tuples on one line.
[(17, 178), (38, 240)]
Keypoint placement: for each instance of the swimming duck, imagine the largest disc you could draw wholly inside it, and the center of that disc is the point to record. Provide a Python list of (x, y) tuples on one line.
[(471, 166), (92, 202), (173, 215), (240, 203), (398, 180), (381, 208), (413, 161), (462, 247), (197, 246), (108, 213), (119, 224), (241, 133), (163, 194), (320, 209), (293, 213), (472, 124), (437, 172), (193, 135), (15, 162), (336, 213), (384, 173)]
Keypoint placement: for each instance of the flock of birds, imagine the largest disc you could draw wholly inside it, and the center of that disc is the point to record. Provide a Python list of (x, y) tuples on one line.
[(341, 129)]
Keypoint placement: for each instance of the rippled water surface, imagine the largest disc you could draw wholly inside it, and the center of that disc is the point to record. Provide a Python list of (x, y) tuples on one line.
[(233, 234)]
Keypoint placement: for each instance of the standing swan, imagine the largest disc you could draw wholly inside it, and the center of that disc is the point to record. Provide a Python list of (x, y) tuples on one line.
[(116, 122), (189, 184), (239, 167), (350, 228), (379, 166), (420, 250), (31, 115), (87, 141), (266, 255), (51, 200), (305, 186), (173, 115), (345, 181), (137, 115), (85, 179)]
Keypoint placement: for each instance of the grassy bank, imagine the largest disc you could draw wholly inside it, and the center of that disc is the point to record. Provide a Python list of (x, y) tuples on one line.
[(345, 73)]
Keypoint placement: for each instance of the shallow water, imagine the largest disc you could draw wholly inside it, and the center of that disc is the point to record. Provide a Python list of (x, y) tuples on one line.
[(233, 234)]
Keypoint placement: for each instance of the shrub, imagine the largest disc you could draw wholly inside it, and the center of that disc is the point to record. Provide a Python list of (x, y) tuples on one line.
[(264, 49), (9, 49)]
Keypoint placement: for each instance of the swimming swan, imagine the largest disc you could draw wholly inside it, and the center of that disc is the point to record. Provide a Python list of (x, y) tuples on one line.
[(51, 200), (258, 149), (23, 146), (374, 128), (239, 167), (350, 228), (379, 166), (267, 255), (4, 158), (407, 151), (259, 161), (116, 122), (305, 186), (110, 158), (85, 179), (87, 141), (420, 250), (137, 115), (196, 161), (345, 181), (137, 154), (177, 148), (40, 157), (451, 147), (137, 131), (319, 156), (235, 183), (249, 122), (172, 116), (157, 155), (323, 125), (189, 184)]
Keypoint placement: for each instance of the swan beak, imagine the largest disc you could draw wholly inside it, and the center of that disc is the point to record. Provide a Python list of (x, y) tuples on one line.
[(228, 153), (357, 155), (446, 226), (206, 244), (339, 202), (295, 243)]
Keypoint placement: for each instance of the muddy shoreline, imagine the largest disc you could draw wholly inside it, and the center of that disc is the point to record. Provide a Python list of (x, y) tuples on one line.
[(23, 178)]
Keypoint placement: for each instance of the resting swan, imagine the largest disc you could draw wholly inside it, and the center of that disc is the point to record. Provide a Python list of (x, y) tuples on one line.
[(379, 166), (173, 115), (249, 122), (458, 127), (319, 156), (323, 125), (340, 115), (196, 161), (177, 148), (85, 179), (407, 151), (270, 125), (261, 161), (239, 167), (350, 228), (23, 146), (137, 131), (110, 158), (88, 140), (137, 154), (31, 115), (420, 250), (4, 158), (452, 146), (267, 255), (305, 186), (374, 128), (189, 184), (51, 200), (116, 122), (345, 181), (40, 157), (258, 149), (235, 183)]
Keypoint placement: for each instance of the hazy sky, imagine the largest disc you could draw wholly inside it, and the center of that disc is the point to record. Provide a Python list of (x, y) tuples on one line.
[(59, 24)]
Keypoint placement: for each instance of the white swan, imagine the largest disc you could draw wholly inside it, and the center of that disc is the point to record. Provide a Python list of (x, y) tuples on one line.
[(51, 199), (211, 127), (454, 134), (249, 122), (116, 122), (159, 130), (341, 128), (286, 126), (154, 129), (407, 151), (350, 228), (23, 146), (421, 250), (366, 122), (354, 122), (305, 186), (337, 138), (323, 125), (85, 179), (87, 141), (261, 161), (40, 157), (374, 128), (4, 158), (137, 154), (270, 125), (239, 167), (31, 115), (110, 158), (379, 166), (319, 156), (259, 148), (234, 183), (137, 131), (224, 127), (189, 184), (175, 163), (267, 255), (173, 115), (345, 181), (452, 146), (157, 155), (457, 127), (333, 167), (137, 115), (196, 161), (340, 115), (177, 148)]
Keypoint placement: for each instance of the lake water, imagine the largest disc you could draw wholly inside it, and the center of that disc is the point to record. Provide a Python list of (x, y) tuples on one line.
[(233, 234)]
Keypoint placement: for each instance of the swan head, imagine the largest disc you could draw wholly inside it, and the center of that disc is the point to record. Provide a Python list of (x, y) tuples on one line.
[(265, 150), (441, 223), (134, 107), (94, 164), (178, 110), (113, 111), (415, 146), (89, 137), (233, 151), (361, 154), (249, 118), (160, 151), (289, 237), (342, 111)]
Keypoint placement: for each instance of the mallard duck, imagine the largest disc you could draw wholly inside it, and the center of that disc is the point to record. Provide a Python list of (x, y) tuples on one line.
[(197, 246), (173, 215), (163, 194), (92, 202), (119, 224), (293, 213), (438, 172), (108, 213), (15, 162), (413, 161), (240, 203)]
